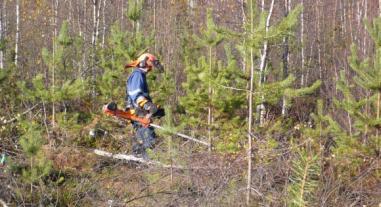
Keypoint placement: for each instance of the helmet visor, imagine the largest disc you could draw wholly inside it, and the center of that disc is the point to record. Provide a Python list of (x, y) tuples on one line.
[(158, 65)]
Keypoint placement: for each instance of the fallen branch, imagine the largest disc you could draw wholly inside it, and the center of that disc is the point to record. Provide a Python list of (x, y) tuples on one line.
[(3, 203), (136, 159), (18, 116)]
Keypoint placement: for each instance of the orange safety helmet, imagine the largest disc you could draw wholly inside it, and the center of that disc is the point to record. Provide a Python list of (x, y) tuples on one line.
[(146, 61)]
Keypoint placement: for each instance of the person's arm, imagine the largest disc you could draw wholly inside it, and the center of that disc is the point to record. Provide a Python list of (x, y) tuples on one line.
[(135, 86)]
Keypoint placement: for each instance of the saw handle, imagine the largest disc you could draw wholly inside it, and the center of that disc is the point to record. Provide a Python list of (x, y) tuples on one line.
[(126, 115)]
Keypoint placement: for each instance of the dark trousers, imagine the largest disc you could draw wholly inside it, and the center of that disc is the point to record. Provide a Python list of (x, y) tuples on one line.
[(145, 137)]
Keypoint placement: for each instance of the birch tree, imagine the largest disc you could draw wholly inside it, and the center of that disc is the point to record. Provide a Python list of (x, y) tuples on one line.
[(285, 56), (17, 31), (261, 107), (2, 42)]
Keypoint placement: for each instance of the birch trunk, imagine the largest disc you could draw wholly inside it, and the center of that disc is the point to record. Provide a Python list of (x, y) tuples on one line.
[(285, 57), (55, 6), (1, 39), (210, 99), (94, 41), (250, 121), (302, 43), (104, 23), (261, 108), (318, 38), (17, 31)]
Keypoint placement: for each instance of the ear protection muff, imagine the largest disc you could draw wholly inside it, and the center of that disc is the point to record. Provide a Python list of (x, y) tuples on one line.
[(143, 63)]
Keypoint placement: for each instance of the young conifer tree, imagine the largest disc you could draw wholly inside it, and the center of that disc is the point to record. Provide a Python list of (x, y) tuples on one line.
[(365, 138), (64, 86), (209, 39), (38, 165), (125, 46), (256, 32)]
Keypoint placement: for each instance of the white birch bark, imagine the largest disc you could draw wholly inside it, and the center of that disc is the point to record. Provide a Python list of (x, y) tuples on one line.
[(287, 5), (5, 17), (261, 108), (17, 31), (318, 38), (210, 98), (250, 112), (55, 6), (104, 23), (94, 40), (1, 39), (302, 43)]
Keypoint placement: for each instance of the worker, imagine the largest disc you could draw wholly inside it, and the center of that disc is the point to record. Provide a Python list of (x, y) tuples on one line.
[(139, 102)]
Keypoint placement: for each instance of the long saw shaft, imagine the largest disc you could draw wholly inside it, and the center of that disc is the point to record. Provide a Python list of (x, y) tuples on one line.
[(180, 134), (127, 115)]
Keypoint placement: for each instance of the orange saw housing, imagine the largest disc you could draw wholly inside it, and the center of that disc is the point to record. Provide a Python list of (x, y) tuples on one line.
[(126, 115)]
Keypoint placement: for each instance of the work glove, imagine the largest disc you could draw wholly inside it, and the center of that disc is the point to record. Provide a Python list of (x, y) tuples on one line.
[(159, 113), (151, 107), (112, 106)]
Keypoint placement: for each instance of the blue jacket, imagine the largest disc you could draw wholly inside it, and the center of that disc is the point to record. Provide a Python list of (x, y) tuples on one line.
[(136, 87)]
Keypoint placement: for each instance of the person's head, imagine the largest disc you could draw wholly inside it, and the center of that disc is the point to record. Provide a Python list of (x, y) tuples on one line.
[(146, 62)]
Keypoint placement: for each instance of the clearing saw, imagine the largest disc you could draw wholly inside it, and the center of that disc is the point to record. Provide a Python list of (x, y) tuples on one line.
[(111, 109)]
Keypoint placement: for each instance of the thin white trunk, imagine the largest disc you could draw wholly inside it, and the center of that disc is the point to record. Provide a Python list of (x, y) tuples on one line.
[(70, 12), (261, 108), (1, 40), (210, 100), (5, 17), (94, 41), (17, 31), (287, 5), (104, 23), (95, 23), (364, 36), (302, 42), (379, 8), (154, 24), (84, 19), (122, 16), (250, 112), (318, 38), (79, 19), (55, 6), (84, 54), (344, 18)]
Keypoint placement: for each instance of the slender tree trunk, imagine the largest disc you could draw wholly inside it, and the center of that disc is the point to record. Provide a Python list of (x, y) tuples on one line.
[(55, 6), (5, 18), (364, 36), (379, 8), (154, 23), (378, 109), (302, 43), (94, 42), (1, 39), (210, 99), (84, 55), (261, 108), (250, 114), (17, 31), (285, 57), (122, 16), (318, 39), (104, 23)]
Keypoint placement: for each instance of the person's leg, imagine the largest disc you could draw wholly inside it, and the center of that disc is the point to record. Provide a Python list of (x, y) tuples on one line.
[(146, 138), (137, 143)]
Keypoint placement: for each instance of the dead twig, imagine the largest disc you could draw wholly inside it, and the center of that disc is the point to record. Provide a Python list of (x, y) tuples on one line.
[(18, 116)]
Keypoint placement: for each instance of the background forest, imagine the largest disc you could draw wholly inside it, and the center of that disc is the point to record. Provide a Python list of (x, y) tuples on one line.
[(286, 92)]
